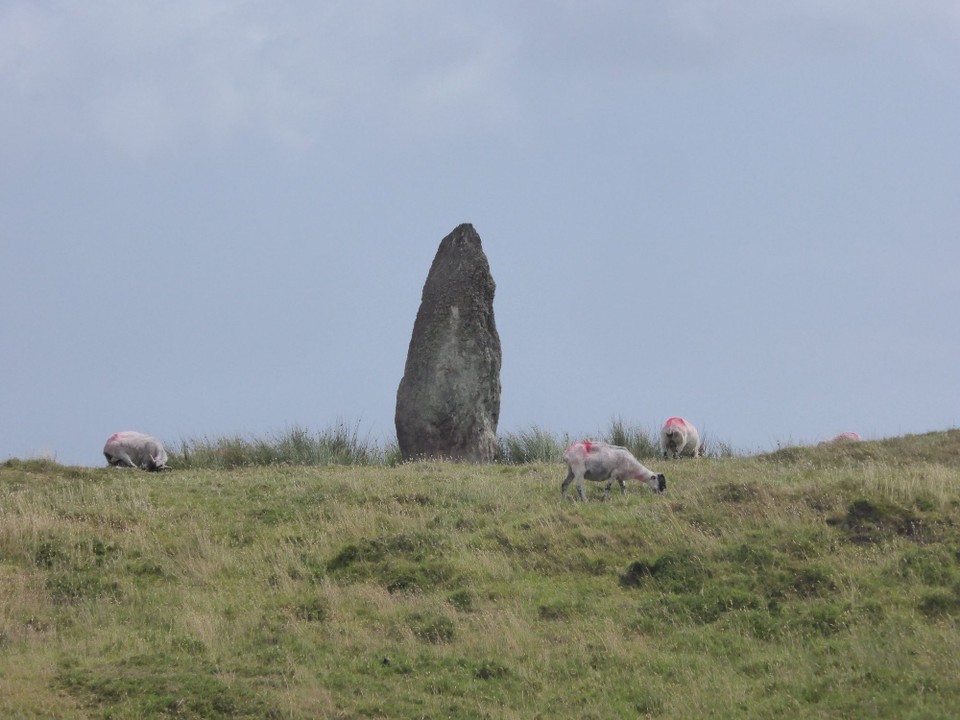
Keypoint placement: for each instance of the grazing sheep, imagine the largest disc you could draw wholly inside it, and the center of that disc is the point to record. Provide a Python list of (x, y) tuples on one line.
[(599, 461), (678, 437), (843, 437), (134, 449)]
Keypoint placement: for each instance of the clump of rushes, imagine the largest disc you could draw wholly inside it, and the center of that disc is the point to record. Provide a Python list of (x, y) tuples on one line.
[(338, 445), (530, 446), (343, 444), (639, 441)]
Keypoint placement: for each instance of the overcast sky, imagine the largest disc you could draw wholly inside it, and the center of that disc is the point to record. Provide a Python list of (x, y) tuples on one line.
[(216, 217)]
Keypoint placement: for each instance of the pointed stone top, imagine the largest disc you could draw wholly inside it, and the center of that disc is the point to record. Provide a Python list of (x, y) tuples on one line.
[(463, 233)]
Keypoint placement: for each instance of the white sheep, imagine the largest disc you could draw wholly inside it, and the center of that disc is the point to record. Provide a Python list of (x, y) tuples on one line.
[(843, 437), (134, 449), (679, 438), (599, 461)]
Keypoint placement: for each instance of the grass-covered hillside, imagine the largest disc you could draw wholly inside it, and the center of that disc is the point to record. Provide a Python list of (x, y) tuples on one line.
[(811, 582)]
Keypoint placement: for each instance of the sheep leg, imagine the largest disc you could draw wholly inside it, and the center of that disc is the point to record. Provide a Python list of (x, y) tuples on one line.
[(583, 495), (121, 459), (606, 489), (571, 475)]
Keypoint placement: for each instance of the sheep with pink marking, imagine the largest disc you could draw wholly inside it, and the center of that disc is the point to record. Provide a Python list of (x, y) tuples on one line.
[(136, 450), (599, 461), (844, 437), (679, 438)]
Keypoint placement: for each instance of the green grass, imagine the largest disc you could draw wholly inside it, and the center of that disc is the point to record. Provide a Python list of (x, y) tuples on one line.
[(343, 445), (339, 445), (531, 446), (810, 582)]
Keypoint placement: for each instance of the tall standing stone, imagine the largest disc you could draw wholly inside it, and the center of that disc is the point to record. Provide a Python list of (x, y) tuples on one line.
[(448, 402)]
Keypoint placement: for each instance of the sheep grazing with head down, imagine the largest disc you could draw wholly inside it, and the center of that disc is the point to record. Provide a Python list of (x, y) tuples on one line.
[(679, 438), (136, 450), (599, 461)]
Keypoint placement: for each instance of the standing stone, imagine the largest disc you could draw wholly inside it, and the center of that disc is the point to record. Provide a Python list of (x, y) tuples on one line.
[(448, 402)]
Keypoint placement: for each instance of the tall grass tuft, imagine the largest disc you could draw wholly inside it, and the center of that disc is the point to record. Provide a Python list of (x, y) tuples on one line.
[(641, 442), (339, 445), (342, 444), (716, 448), (530, 446)]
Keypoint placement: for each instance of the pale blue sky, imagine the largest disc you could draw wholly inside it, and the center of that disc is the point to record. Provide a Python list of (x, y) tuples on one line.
[(216, 217)]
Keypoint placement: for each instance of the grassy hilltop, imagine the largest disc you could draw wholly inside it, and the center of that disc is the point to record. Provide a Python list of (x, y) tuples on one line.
[(810, 582)]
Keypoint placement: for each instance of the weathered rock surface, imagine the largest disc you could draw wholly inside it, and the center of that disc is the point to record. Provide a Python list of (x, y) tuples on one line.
[(448, 402)]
